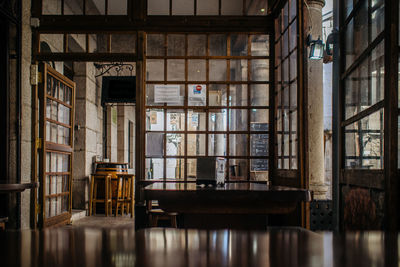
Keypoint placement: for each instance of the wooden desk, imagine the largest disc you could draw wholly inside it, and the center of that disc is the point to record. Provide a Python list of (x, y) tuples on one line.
[(232, 201), (157, 247)]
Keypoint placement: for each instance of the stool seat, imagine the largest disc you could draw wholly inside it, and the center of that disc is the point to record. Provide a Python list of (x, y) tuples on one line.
[(156, 214)]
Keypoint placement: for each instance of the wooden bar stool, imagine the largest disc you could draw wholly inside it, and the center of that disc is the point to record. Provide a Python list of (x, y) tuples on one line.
[(106, 180), (125, 194), (156, 214)]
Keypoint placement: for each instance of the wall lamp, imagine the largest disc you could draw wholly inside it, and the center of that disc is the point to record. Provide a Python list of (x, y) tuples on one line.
[(316, 48)]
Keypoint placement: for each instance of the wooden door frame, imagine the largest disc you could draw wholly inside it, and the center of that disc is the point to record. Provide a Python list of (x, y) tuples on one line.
[(65, 217)]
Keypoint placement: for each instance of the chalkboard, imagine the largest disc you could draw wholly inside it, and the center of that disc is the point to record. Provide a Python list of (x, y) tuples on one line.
[(259, 147)]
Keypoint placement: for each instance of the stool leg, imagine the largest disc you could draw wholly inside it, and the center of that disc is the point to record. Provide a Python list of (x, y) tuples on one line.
[(91, 195), (123, 195), (95, 197), (106, 195), (173, 221), (110, 196), (117, 198), (132, 196)]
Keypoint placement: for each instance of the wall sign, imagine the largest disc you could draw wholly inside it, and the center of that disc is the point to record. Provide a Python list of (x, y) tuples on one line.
[(169, 94)]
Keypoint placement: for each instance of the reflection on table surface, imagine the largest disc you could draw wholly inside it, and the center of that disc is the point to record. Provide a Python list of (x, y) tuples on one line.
[(179, 247)]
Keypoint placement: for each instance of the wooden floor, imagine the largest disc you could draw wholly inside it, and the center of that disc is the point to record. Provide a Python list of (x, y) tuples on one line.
[(120, 245)]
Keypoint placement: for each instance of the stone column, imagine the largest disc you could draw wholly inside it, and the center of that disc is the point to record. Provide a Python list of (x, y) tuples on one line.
[(315, 111)]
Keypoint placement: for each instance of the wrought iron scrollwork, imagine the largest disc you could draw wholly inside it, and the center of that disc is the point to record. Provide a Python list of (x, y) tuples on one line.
[(118, 67)]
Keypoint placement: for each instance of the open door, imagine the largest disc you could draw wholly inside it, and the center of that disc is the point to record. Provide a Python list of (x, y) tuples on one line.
[(56, 120), (288, 156)]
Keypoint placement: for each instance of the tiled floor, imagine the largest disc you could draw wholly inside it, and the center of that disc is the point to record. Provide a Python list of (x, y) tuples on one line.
[(101, 221)]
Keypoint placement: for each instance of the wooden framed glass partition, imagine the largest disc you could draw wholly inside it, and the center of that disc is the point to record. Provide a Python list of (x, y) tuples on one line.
[(207, 95), (57, 97), (368, 108)]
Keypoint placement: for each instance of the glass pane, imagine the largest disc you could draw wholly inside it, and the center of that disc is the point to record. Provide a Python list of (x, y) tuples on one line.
[(348, 4), (217, 95), (191, 168), (197, 44), (292, 9), (294, 153), (238, 70), (259, 169), (155, 69), (155, 44), (176, 45), (259, 145), (217, 144), (259, 119), (76, 43), (238, 169), (117, 7), (123, 43), (207, 7), (48, 179), (197, 95), (197, 70), (176, 70), (377, 19), (259, 94), (260, 45), (293, 66), (357, 34), (175, 120), (238, 44), (238, 95), (232, 7), (293, 36), (285, 17), (175, 169), (155, 120), (175, 145), (51, 7), (98, 43), (154, 168), (54, 41), (364, 87), (183, 7), (217, 70), (196, 145), (217, 120), (257, 7), (154, 144), (238, 144), (238, 120), (157, 7), (364, 143), (285, 44), (260, 70), (218, 44), (95, 7), (196, 120)]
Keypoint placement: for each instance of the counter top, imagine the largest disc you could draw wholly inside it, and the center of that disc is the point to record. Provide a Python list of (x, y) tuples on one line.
[(163, 247)]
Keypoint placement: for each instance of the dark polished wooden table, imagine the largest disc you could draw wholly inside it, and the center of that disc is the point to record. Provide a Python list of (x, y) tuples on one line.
[(163, 247), (234, 205)]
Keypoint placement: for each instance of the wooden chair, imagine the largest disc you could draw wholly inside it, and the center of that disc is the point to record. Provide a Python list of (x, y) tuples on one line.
[(156, 214), (107, 200), (125, 194)]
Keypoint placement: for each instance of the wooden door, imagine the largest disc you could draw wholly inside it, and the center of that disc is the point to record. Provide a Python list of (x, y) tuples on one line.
[(56, 120), (289, 135)]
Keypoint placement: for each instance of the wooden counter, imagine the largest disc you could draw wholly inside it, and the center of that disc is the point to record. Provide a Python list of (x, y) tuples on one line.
[(159, 247), (234, 205), (232, 198)]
